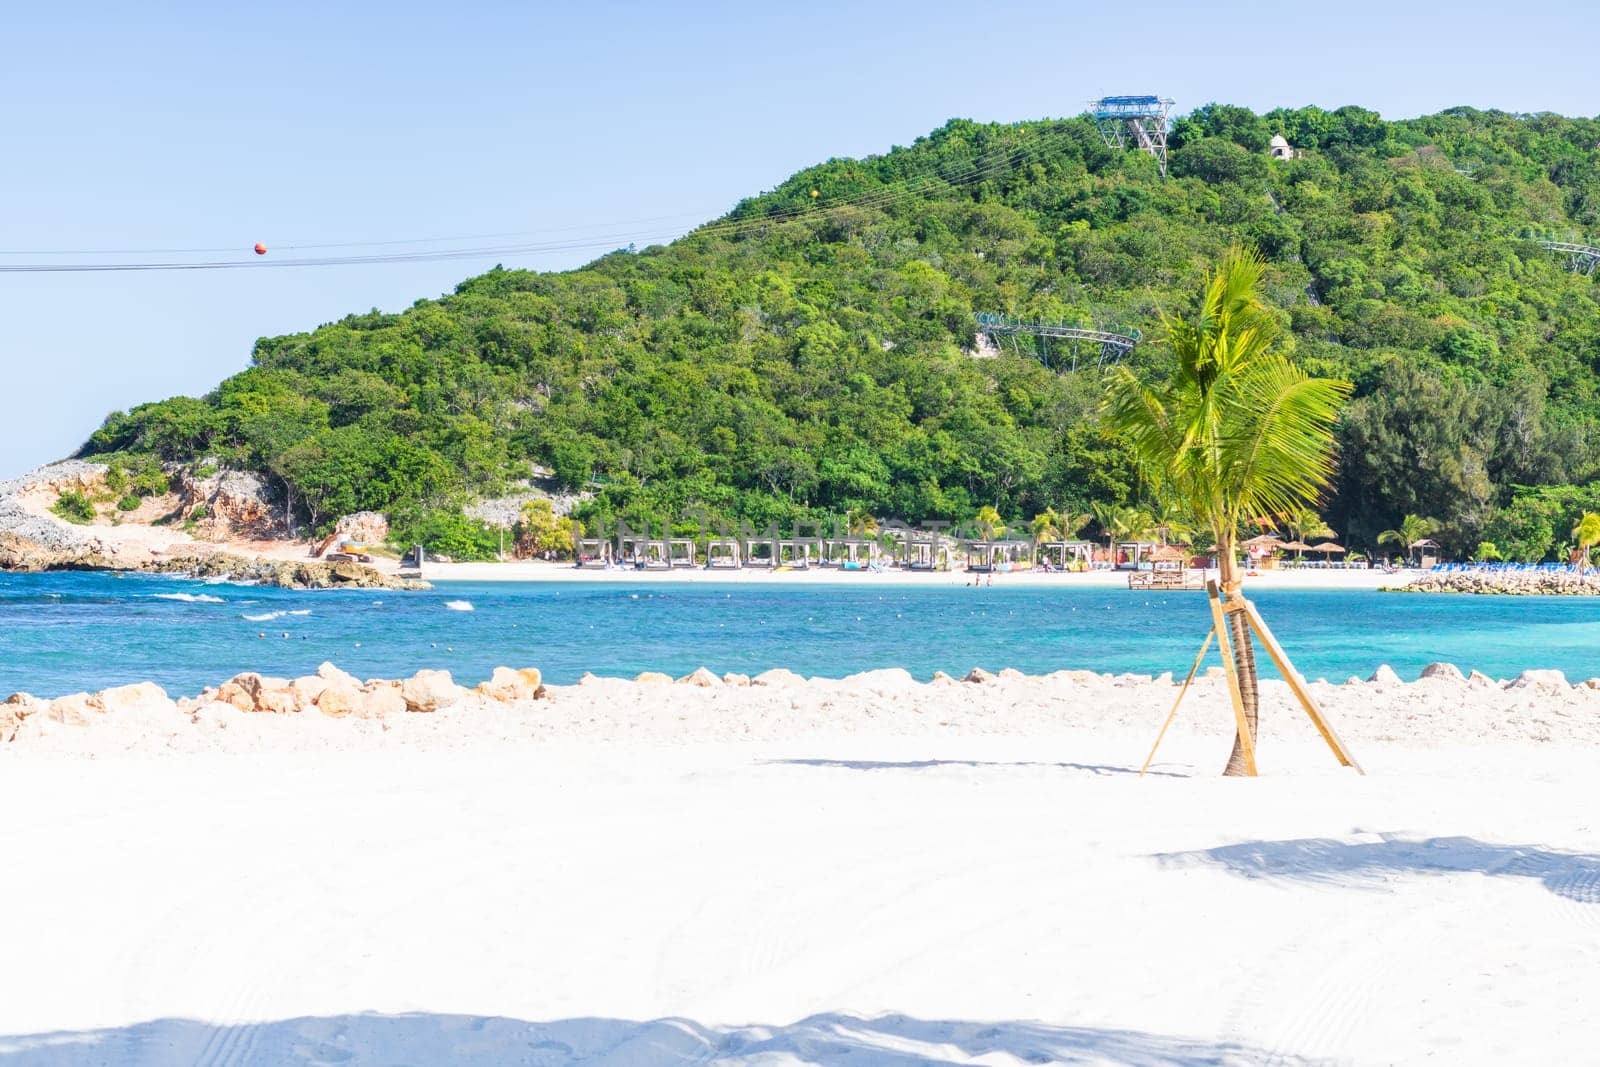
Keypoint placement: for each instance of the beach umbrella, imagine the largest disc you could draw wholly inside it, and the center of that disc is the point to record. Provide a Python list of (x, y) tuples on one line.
[(1328, 548), (1296, 547)]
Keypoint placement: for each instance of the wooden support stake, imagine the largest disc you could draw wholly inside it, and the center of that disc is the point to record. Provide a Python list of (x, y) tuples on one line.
[(1171, 714), (1298, 687), (1224, 646)]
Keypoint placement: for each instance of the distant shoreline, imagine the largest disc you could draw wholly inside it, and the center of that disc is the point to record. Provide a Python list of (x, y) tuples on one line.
[(540, 571)]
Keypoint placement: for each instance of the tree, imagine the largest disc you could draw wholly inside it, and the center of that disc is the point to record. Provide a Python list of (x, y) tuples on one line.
[(989, 523), (1412, 528), (1586, 533), (1523, 530), (1238, 431), (1303, 523), (1171, 521), (539, 529), (861, 523), (1046, 526)]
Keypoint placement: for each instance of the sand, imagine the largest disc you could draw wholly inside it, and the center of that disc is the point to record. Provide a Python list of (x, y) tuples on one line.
[(536, 571), (871, 872)]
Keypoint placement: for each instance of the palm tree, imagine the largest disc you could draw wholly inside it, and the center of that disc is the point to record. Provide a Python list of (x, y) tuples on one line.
[(1237, 431), (1071, 522), (1118, 522), (1046, 526), (1303, 523), (1413, 528), (860, 522), (988, 523), (1587, 533), (1171, 521)]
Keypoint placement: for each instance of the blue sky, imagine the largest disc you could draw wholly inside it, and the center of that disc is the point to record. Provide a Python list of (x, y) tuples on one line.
[(155, 126)]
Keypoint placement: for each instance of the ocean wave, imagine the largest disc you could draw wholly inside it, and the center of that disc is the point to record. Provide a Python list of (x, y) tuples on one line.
[(270, 615), (190, 598), (459, 605)]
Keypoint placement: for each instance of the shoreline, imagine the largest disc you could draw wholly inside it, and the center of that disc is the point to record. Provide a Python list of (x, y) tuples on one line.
[(540, 571)]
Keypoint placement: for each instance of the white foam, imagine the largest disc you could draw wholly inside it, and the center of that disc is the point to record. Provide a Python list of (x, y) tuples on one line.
[(268, 617), (459, 605), (190, 598)]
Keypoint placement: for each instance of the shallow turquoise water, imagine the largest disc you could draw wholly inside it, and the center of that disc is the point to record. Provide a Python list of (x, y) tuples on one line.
[(65, 632)]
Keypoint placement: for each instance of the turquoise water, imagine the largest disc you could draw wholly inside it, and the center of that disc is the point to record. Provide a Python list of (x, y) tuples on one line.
[(61, 633)]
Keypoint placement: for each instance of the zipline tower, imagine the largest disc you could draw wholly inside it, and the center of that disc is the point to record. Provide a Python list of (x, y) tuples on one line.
[(1140, 121)]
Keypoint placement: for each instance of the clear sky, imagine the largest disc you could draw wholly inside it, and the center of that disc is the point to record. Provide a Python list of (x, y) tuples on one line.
[(154, 126)]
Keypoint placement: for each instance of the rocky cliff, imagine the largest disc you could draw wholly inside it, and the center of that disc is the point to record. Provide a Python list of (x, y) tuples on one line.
[(33, 539)]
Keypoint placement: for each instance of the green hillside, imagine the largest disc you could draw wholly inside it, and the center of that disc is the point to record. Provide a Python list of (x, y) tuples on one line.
[(809, 353)]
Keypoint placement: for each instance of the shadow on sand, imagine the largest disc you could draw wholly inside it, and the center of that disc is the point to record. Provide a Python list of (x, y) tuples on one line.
[(359, 1040), (1572, 875), (1100, 769)]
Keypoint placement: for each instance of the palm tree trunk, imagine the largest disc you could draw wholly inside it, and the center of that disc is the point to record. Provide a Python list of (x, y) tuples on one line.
[(1244, 664), (1244, 653)]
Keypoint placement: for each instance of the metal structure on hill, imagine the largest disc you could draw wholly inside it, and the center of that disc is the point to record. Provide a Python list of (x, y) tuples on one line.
[(1137, 121), (1581, 258), (1071, 340)]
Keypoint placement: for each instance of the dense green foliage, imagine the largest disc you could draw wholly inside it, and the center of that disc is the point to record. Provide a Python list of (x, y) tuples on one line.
[(75, 507), (809, 353)]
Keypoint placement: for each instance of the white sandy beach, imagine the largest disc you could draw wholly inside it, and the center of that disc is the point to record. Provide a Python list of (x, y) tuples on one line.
[(537, 571), (869, 871)]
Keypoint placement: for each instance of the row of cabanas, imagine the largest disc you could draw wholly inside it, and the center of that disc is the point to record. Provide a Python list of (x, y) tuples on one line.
[(914, 550), (910, 550)]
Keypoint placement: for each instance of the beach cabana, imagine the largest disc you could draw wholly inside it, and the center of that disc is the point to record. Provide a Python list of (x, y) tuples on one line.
[(643, 552), (797, 552), (1066, 555), (1169, 557), (849, 553), (1425, 553), (722, 552), (1169, 569), (680, 552), (759, 552), (593, 550), (989, 556), (925, 552), (1131, 554), (1258, 549)]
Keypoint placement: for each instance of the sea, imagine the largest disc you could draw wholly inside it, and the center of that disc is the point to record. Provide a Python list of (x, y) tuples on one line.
[(66, 632)]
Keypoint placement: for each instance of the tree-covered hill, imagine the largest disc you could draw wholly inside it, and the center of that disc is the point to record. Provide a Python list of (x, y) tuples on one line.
[(810, 352)]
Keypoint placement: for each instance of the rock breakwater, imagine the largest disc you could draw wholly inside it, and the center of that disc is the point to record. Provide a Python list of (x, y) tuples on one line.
[(332, 709), (1504, 583)]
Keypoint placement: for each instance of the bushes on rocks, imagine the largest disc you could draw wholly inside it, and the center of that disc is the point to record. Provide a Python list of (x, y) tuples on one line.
[(75, 507)]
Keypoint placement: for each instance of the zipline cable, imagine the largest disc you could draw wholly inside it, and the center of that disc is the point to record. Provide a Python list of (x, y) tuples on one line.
[(974, 170)]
